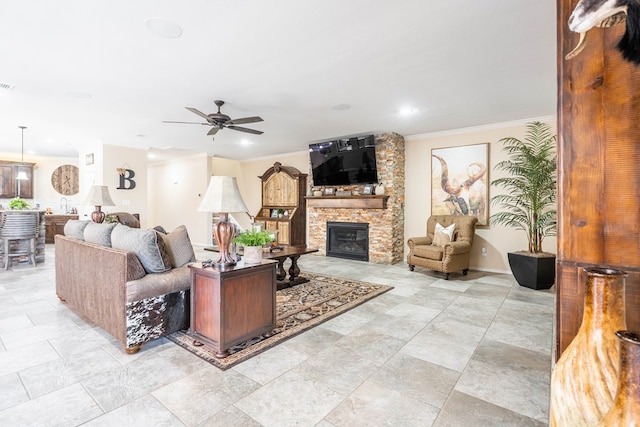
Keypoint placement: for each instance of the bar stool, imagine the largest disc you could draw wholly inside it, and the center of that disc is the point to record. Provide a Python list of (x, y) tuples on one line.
[(19, 225)]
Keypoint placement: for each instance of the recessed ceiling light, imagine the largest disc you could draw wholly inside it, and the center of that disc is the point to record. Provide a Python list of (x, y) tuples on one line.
[(163, 28), (141, 135), (407, 111), (77, 94), (246, 142), (340, 107)]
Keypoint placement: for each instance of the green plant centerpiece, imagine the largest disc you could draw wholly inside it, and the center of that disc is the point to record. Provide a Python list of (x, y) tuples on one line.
[(528, 202), (18, 204), (252, 242), (253, 238)]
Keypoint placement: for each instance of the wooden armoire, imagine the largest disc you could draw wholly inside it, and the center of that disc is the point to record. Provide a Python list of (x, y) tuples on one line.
[(283, 205), (598, 170)]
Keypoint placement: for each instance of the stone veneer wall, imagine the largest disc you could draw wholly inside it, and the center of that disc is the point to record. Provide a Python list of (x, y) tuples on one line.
[(386, 226)]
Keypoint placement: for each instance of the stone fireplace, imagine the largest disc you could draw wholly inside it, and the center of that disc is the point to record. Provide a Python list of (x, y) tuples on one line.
[(384, 214)]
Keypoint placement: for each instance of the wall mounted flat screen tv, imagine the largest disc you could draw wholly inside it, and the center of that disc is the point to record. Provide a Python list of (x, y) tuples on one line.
[(344, 161)]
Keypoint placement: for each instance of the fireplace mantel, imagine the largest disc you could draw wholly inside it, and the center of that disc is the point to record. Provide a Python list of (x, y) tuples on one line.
[(348, 202)]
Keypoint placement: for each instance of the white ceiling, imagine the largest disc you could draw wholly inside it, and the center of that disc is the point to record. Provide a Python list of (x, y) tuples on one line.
[(460, 63)]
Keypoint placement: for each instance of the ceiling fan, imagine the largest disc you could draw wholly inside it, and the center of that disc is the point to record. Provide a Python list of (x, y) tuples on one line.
[(219, 121)]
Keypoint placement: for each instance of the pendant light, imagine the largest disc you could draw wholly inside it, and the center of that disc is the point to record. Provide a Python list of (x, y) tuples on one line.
[(22, 175)]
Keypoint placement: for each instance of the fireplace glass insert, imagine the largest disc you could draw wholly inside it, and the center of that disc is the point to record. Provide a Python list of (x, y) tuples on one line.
[(348, 240)]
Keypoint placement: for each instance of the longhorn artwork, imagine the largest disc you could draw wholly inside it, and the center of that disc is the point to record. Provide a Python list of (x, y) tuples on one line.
[(607, 13), (459, 181)]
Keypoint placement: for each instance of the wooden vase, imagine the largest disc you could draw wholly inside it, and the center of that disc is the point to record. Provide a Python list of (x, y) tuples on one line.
[(625, 411), (584, 381)]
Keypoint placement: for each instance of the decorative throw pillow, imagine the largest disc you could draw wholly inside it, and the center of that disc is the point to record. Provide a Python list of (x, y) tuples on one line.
[(179, 246), (99, 234), (75, 228), (442, 235), (146, 244)]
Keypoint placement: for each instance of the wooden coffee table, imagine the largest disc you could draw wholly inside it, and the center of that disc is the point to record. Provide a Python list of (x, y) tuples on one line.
[(293, 253), (280, 255)]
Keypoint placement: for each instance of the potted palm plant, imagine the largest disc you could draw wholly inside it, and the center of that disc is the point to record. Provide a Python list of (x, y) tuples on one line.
[(529, 202), (252, 241)]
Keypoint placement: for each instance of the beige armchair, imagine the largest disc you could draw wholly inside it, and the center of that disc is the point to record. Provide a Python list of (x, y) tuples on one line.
[(453, 256)]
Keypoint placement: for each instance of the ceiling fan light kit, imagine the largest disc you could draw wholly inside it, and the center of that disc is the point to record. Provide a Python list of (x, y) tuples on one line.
[(219, 121)]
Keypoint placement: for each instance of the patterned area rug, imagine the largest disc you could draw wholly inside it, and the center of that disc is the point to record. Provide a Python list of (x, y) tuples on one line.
[(298, 308)]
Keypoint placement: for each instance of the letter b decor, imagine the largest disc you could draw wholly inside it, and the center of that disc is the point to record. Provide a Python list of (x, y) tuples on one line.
[(126, 180)]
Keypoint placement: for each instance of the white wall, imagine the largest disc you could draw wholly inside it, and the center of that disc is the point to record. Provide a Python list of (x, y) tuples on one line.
[(498, 240), (126, 200), (174, 193)]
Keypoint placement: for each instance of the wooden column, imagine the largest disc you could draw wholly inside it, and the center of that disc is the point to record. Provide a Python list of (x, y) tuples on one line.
[(599, 170)]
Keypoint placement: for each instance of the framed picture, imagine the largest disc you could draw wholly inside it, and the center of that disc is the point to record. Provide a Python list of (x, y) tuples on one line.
[(329, 191), (460, 181), (89, 159), (368, 190), (274, 213)]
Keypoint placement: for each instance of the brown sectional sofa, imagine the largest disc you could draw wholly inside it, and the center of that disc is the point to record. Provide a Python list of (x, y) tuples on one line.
[(112, 289)]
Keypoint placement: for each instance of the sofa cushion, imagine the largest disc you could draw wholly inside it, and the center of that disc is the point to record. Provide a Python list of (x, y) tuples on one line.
[(75, 228), (179, 246), (100, 234), (146, 244), (151, 285), (429, 252), (443, 235)]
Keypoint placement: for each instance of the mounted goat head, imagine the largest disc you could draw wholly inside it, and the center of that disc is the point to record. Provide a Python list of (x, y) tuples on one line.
[(607, 13), (462, 199)]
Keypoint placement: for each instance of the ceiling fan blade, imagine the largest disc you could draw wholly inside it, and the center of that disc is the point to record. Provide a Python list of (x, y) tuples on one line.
[(189, 123), (244, 120), (198, 112), (213, 130), (241, 129)]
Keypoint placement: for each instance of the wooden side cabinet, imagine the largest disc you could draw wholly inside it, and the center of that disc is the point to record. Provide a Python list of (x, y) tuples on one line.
[(283, 205), (232, 305), (54, 224)]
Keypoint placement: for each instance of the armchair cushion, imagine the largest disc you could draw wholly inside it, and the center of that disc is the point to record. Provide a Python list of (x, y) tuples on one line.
[(443, 235), (429, 252)]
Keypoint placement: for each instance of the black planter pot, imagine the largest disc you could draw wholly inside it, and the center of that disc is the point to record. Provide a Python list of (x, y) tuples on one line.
[(532, 271)]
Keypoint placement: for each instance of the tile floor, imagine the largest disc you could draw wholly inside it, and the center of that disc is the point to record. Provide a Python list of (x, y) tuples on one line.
[(471, 351)]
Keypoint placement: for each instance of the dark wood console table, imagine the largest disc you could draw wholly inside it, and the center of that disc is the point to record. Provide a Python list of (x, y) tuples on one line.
[(232, 305), (54, 224)]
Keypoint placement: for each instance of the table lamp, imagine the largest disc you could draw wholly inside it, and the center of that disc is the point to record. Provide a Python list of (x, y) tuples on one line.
[(223, 197), (98, 197)]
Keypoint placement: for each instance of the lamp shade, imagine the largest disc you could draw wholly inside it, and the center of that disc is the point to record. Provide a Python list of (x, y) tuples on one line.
[(222, 196), (22, 175), (99, 196)]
